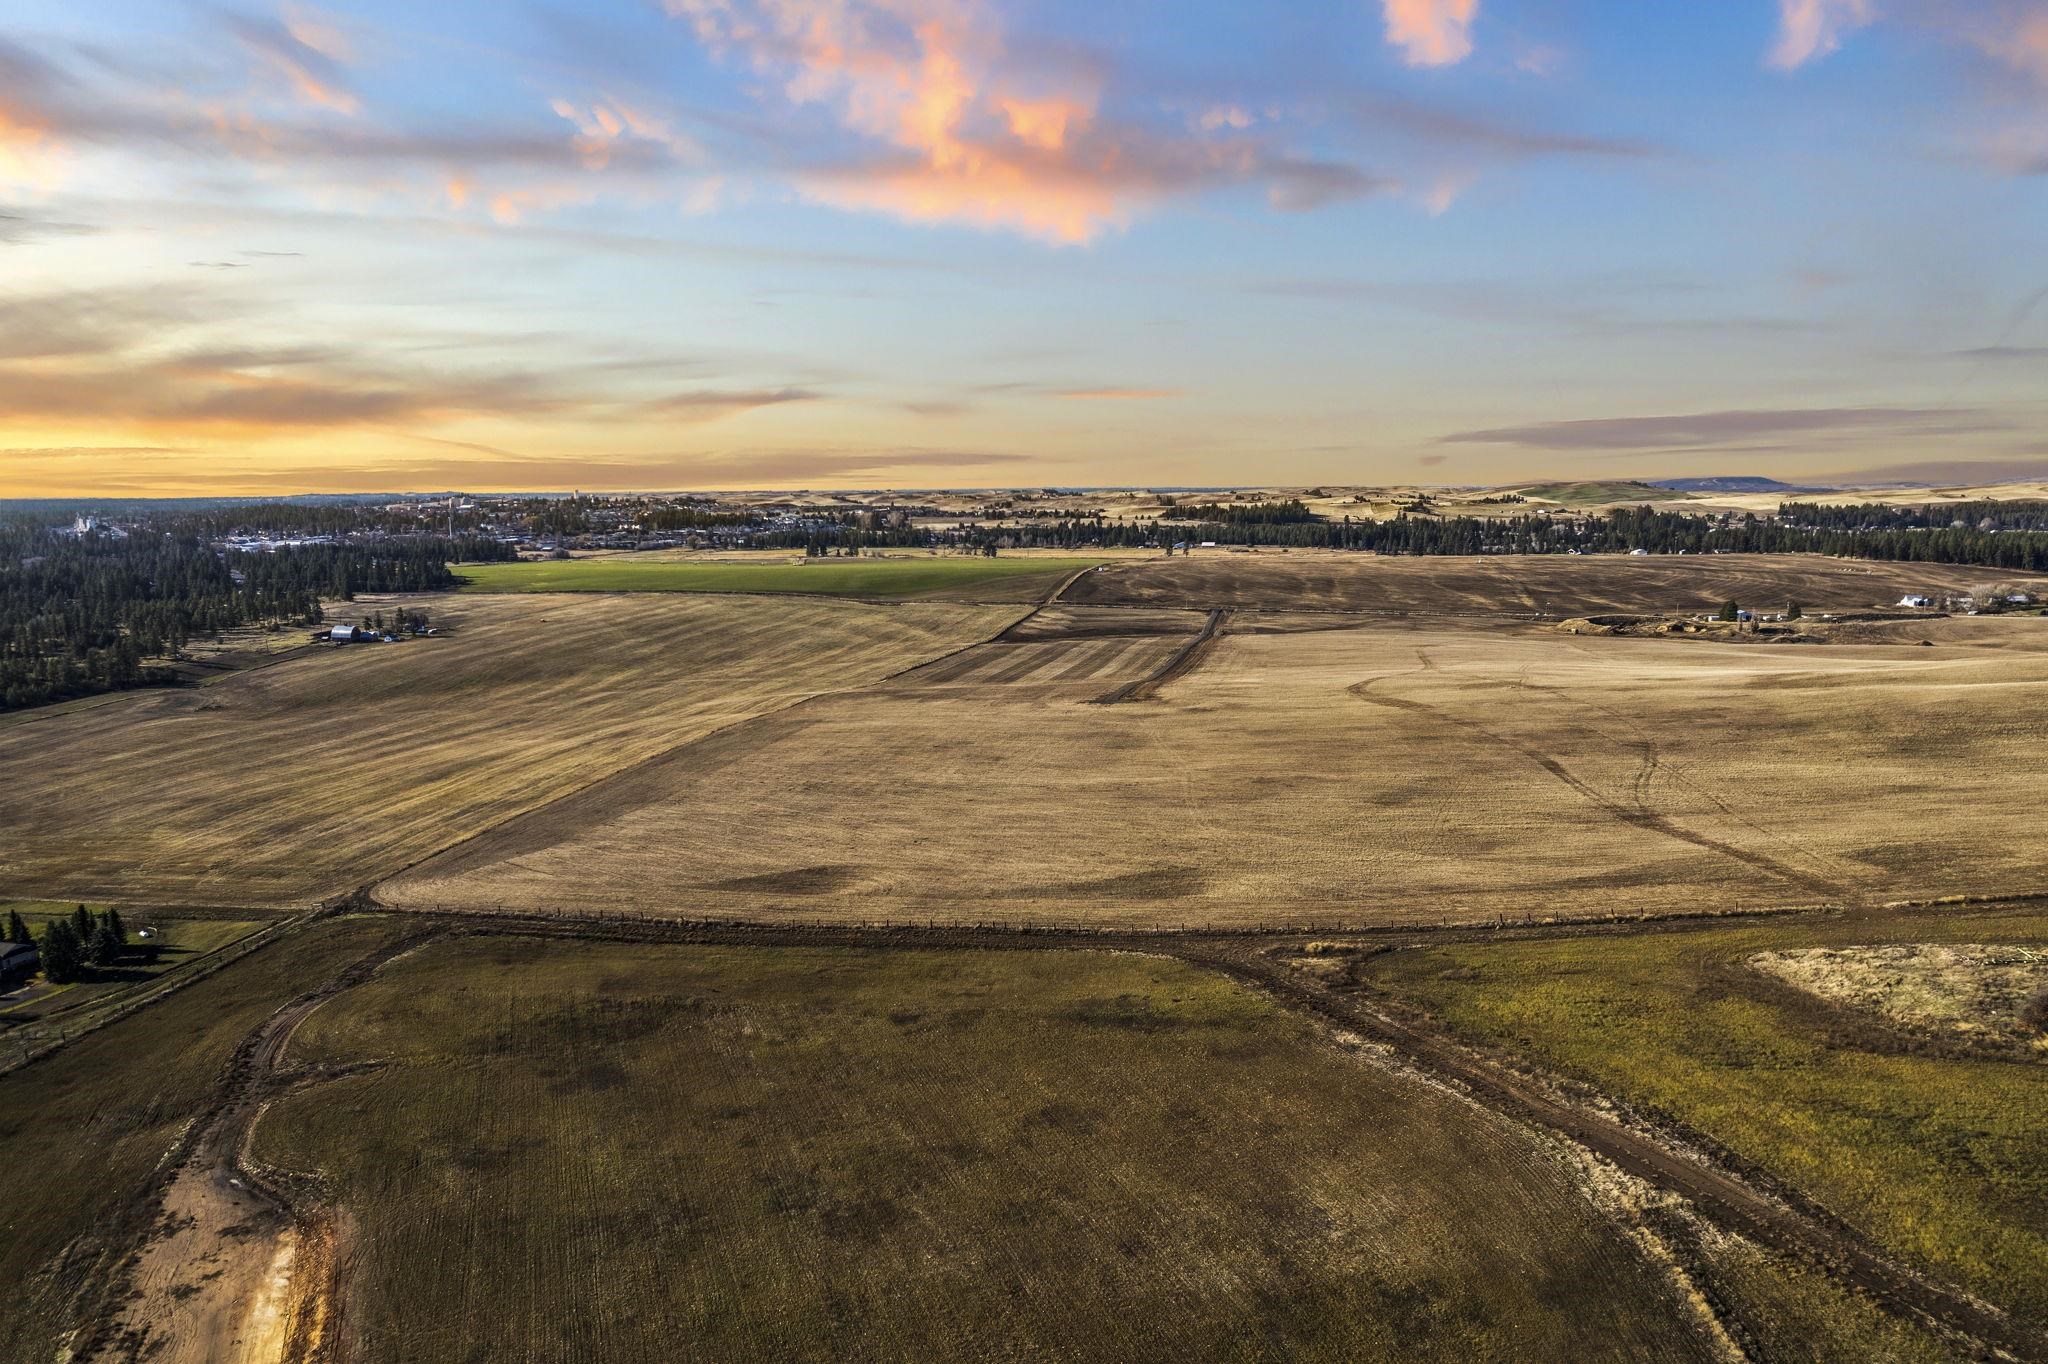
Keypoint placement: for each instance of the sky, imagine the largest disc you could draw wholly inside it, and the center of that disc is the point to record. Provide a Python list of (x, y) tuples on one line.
[(497, 245)]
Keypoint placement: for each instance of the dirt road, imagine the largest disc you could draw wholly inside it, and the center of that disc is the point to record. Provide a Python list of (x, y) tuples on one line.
[(237, 1268), (1731, 1201)]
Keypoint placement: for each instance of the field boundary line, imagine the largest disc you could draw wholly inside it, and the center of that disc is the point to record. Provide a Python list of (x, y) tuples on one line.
[(169, 984)]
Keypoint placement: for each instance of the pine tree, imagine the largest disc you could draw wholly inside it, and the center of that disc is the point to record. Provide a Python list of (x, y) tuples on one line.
[(1728, 610), (120, 930), (82, 925), (17, 928), (103, 948), (63, 956), (1794, 612)]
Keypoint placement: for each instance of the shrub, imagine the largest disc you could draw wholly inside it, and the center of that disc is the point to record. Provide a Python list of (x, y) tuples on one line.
[(2034, 1013)]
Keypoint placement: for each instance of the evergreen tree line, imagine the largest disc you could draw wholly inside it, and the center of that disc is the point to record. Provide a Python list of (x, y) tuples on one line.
[(2029, 514), (73, 944), (86, 614), (1292, 512), (1618, 532)]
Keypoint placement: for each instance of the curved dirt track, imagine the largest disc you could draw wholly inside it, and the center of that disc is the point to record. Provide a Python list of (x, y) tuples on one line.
[(238, 1268)]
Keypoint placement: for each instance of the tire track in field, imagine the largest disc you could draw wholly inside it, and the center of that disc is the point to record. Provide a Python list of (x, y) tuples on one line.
[(1652, 766), (1636, 815), (1721, 1195), (1179, 665)]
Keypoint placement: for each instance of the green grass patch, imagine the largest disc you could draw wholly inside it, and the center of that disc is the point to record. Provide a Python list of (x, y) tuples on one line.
[(891, 578), (178, 942), (1943, 1158)]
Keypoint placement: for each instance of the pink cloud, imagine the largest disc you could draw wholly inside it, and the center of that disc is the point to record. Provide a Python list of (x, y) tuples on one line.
[(304, 49), (957, 133), (1431, 32), (1813, 28)]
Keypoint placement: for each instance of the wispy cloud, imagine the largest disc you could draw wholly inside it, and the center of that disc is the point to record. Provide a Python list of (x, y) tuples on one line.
[(1117, 394), (306, 50), (1697, 430), (17, 229), (1951, 472), (1431, 32), (1813, 28), (703, 405)]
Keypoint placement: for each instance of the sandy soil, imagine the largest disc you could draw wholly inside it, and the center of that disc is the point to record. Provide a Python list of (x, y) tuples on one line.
[(214, 1286), (233, 1271)]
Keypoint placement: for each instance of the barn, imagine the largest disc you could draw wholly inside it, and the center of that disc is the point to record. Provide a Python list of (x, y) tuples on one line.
[(17, 962)]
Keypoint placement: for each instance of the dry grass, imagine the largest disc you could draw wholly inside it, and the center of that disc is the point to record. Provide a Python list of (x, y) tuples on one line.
[(1381, 774), (1955, 989), (632, 1152), (310, 777), (1939, 1157), (1546, 585)]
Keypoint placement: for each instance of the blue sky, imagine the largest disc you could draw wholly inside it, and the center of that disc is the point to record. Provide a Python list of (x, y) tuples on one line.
[(857, 243)]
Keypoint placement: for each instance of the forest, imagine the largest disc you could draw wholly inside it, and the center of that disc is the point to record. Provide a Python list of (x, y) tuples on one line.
[(1619, 531), (107, 610)]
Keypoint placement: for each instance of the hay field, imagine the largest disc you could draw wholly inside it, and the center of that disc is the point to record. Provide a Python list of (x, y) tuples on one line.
[(1554, 585), (601, 1151), (1391, 773), (313, 776), (1940, 1155), (891, 577)]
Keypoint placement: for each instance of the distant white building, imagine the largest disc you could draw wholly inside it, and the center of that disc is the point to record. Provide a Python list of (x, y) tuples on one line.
[(1916, 601)]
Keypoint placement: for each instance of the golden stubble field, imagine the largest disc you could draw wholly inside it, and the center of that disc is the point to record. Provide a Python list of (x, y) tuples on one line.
[(311, 777), (1555, 585), (1386, 772)]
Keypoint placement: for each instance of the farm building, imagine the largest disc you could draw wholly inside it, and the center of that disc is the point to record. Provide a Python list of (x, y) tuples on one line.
[(1916, 601), (17, 962)]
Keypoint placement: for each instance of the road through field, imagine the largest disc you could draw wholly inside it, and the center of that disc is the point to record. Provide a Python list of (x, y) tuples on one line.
[(236, 1270), (1723, 1197)]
